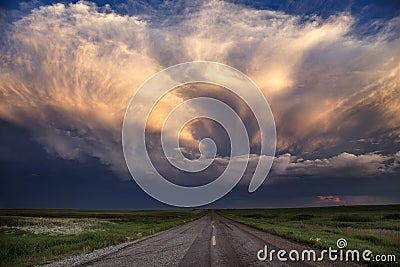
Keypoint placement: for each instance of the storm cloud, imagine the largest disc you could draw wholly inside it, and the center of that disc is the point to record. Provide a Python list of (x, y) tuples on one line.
[(68, 72)]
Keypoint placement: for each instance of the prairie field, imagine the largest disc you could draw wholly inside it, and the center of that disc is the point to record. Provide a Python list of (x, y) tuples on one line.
[(376, 228), (29, 237)]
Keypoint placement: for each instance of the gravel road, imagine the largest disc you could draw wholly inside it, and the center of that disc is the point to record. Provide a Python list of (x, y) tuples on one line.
[(209, 241)]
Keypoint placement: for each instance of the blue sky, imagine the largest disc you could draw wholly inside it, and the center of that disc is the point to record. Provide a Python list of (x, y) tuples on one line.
[(329, 70)]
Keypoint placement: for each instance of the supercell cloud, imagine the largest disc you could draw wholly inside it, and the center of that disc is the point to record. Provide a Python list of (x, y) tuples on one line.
[(69, 70)]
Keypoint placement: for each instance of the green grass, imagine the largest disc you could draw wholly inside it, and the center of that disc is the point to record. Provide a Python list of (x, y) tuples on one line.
[(376, 228), (29, 237)]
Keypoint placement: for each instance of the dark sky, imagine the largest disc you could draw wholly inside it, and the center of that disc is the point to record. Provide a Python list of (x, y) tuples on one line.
[(329, 70)]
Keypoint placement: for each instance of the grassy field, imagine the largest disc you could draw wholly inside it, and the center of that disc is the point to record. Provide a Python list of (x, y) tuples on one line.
[(29, 237), (376, 228)]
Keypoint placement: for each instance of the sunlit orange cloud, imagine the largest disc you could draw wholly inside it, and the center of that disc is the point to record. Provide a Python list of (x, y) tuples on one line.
[(357, 200), (330, 199), (68, 72)]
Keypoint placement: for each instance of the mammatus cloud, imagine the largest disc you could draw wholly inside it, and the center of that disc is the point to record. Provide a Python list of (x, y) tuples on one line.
[(68, 72)]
